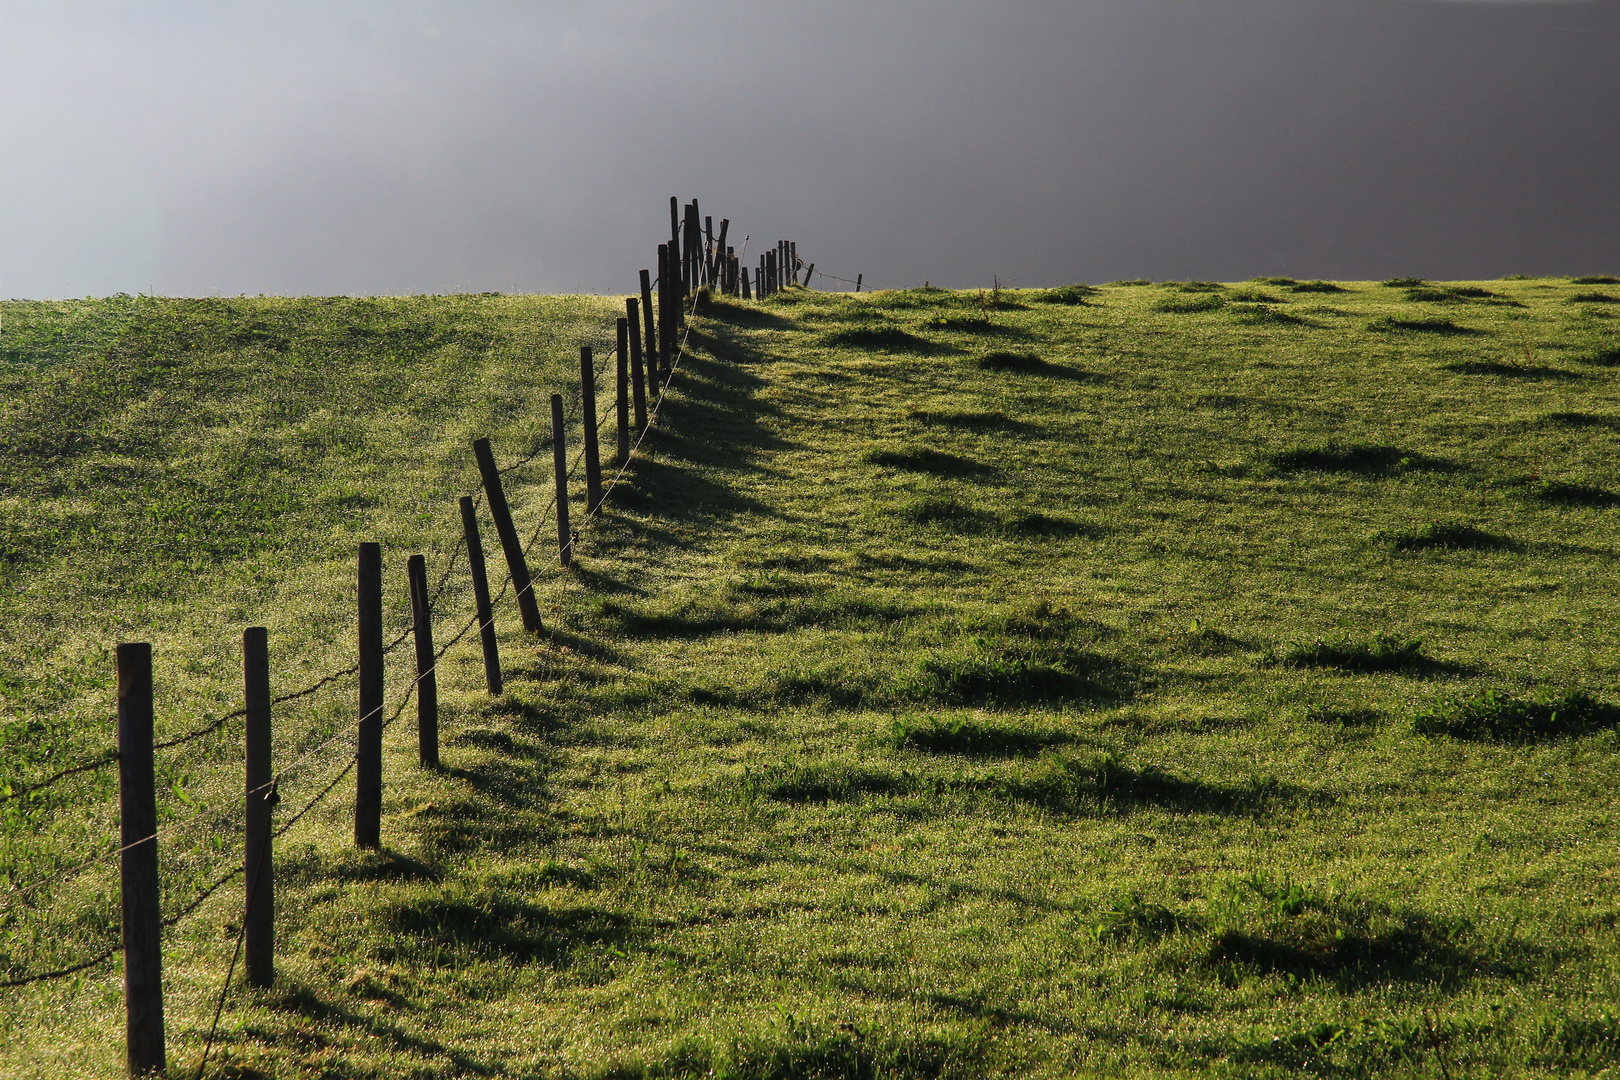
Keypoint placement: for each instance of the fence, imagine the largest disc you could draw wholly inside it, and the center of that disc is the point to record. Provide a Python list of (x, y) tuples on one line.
[(650, 344)]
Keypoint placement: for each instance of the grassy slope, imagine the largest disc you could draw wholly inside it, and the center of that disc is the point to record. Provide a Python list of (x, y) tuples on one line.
[(907, 714)]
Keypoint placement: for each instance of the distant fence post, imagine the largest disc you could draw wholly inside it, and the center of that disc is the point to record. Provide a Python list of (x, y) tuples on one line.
[(858, 282), (486, 617), (649, 345), (593, 456), (258, 861), (722, 256), (666, 289), (793, 260), (621, 388), (138, 863), (427, 683), (368, 752), (559, 457), (516, 565), (638, 375), (772, 285), (747, 294), (808, 274)]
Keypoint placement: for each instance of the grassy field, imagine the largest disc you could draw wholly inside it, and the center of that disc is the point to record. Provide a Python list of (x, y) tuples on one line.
[(1150, 679)]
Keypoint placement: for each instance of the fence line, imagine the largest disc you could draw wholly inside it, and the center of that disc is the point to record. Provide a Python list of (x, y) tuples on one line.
[(704, 265)]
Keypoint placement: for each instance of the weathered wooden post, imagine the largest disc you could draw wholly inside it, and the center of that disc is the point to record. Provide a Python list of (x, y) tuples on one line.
[(516, 565), (722, 255), (138, 863), (772, 273), (559, 457), (427, 682), (368, 751), (793, 259), (649, 342), (593, 455), (638, 380), (666, 288), (621, 388), (486, 616), (747, 294), (857, 282), (258, 861), (808, 274)]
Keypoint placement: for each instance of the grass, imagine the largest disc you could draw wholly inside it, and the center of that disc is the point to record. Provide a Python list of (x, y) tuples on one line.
[(901, 716)]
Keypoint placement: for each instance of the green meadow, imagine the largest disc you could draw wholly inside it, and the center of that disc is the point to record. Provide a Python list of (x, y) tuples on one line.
[(1144, 679)]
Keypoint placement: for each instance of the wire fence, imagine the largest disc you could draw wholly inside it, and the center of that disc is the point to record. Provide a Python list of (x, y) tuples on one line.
[(344, 739)]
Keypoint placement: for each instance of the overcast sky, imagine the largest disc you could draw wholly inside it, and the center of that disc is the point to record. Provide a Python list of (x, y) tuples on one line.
[(238, 146)]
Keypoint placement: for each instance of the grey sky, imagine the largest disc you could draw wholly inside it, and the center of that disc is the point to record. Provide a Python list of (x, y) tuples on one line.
[(366, 147)]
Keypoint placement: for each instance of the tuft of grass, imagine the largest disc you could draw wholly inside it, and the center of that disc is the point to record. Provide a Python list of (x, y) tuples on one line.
[(1447, 536), (1594, 298), (1190, 304), (1595, 279), (1391, 324), (1075, 295), (1502, 716), (1315, 287), (1404, 283), (1131, 282), (889, 338), (1381, 653), (1265, 316)]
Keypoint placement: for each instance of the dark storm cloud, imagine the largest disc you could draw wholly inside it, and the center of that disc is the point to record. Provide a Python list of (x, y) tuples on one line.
[(384, 148)]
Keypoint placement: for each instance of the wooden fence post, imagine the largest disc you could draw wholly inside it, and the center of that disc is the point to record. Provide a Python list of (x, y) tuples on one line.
[(368, 752), (793, 259), (708, 250), (772, 273), (808, 274), (427, 682), (649, 345), (666, 288), (747, 294), (516, 565), (559, 457), (622, 388), (674, 225), (259, 799), (857, 282), (138, 863), (638, 378), (593, 456), (486, 617)]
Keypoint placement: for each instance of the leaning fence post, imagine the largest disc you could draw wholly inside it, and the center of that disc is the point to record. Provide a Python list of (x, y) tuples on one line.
[(427, 683), (808, 274), (259, 799), (593, 456), (638, 378), (486, 617), (138, 863), (559, 457), (857, 282), (621, 388), (516, 565), (368, 752)]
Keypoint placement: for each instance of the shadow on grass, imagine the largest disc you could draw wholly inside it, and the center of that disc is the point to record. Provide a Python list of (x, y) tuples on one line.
[(987, 420), (1381, 653), (1101, 783), (1509, 371), (1448, 536), (973, 738), (317, 1013), (925, 460), (885, 338), (1583, 420), (1027, 363), (1504, 717), (1558, 493), (496, 926), (1356, 458), (810, 1052)]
